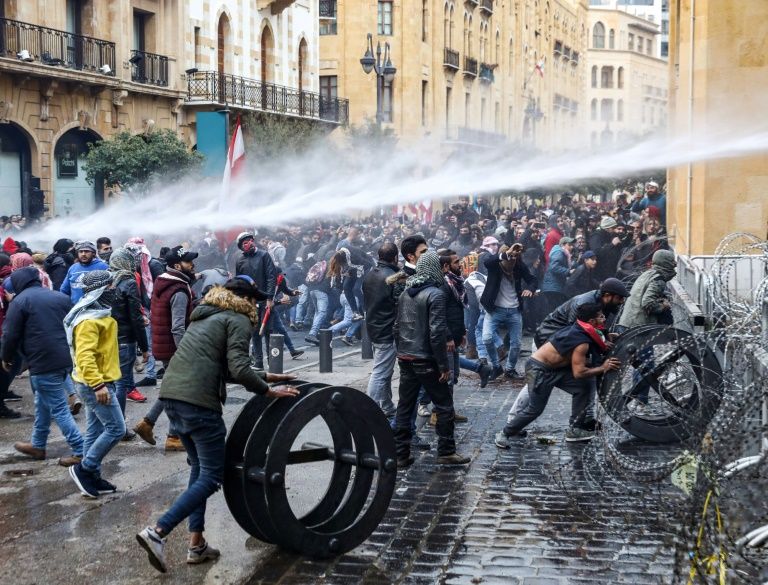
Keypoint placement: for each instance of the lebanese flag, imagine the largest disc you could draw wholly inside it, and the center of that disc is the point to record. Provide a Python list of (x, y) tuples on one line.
[(235, 161), (426, 208), (540, 67)]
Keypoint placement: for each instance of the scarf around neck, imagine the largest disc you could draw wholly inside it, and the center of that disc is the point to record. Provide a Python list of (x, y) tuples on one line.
[(428, 272), (456, 284), (594, 334), (87, 307)]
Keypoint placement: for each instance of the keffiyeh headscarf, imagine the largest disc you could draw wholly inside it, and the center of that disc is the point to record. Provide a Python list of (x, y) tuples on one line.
[(456, 284), (428, 271), (137, 246), (122, 264), (95, 283)]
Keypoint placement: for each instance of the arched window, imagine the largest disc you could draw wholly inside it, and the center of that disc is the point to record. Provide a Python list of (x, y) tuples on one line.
[(453, 29), (606, 77), (594, 75), (511, 55), (598, 36), (267, 55), (620, 83), (224, 50), (612, 39), (594, 109), (620, 111), (447, 27), (303, 66), (424, 20)]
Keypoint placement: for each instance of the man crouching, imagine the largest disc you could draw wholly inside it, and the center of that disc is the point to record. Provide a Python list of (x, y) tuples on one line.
[(563, 362)]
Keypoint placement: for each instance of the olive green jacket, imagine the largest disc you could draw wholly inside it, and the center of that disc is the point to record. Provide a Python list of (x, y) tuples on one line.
[(214, 351)]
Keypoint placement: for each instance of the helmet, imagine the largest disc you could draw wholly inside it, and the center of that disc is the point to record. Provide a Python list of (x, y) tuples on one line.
[(242, 237)]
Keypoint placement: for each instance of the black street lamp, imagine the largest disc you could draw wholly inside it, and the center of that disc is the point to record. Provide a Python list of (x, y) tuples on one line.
[(385, 71)]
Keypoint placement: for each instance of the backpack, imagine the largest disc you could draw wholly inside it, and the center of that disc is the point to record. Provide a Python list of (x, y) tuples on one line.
[(469, 264), (316, 272)]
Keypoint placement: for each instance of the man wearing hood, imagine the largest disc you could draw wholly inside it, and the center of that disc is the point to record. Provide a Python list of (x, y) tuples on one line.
[(33, 328), (259, 266), (648, 302), (57, 264), (86, 262), (422, 352), (465, 243), (214, 351), (92, 339), (607, 244), (554, 235)]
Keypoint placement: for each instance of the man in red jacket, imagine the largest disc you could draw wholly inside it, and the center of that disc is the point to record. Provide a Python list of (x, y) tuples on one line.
[(170, 311)]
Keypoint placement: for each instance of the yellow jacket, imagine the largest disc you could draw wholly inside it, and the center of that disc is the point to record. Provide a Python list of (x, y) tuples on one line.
[(97, 353)]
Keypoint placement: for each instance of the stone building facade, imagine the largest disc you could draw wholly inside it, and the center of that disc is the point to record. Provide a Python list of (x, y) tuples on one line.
[(627, 89), (466, 69), (718, 80)]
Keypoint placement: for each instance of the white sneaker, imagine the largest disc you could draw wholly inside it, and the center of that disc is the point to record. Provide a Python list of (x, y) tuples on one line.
[(424, 410), (151, 542), (201, 554)]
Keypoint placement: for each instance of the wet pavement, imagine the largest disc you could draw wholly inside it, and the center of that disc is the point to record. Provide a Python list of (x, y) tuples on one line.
[(529, 515)]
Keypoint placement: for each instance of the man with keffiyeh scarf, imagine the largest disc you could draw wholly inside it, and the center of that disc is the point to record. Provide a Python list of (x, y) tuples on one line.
[(421, 334), (92, 337)]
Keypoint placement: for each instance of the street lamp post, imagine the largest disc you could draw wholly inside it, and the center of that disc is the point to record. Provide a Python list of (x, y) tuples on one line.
[(382, 67)]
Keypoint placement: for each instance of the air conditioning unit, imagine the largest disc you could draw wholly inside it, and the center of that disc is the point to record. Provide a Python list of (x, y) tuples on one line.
[(24, 55), (105, 70)]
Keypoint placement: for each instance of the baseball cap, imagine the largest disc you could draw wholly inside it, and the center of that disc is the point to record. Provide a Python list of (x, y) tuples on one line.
[(566, 240), (179, 254), (614, 286), (607, 223), (588, 254)]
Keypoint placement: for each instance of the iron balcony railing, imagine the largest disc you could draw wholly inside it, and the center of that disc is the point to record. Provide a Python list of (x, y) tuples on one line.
[(470, 66), (55, 47), (486, 72), (451, 58), (487, 5), (327, 8), (222, 88), (149, 68)]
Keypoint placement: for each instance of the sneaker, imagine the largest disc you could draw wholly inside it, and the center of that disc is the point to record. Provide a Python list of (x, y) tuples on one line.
[(403, 462), (30, 451), (419, 444), (576, 434), (502, 440), (348, 340), (8, 413), (154, 544), (136, 396), (139, 366), (497, 371), (453, 459), (424, 410), (513, 374), (145, 430), (11, 396), (312, 339), (292, 327), (457, 418), (257, 364), (202, 553), (75, 404), (485, 375), (128, 436), (297, 353), (105, 487), (146, 383), (357, 317), (173, 444), (160, 373), (84, 480), (70, 461)]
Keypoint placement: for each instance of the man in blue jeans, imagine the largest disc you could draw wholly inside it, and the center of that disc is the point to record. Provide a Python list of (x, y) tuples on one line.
[(33, 327), (502, 300), (92, 338)]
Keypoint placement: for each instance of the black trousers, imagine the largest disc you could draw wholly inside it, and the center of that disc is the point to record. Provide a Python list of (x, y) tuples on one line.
[(414, 375)]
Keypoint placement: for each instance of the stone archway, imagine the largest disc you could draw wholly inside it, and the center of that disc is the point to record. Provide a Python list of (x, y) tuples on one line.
[(16, 180), (72, 195)]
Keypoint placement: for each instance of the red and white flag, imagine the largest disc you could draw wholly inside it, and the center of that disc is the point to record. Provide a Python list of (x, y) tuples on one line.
[(540, 67), (235, 161), (426, 209)]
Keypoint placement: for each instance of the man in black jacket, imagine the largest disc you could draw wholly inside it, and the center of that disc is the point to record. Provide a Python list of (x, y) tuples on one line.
[(259, 266), (422, 338), (380, 319), (502, 300), (58, 263), (34, 326)]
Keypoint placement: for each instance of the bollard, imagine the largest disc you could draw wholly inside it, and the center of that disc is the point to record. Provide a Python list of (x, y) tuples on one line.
[(326, 351), (276, 348), (365, 342)]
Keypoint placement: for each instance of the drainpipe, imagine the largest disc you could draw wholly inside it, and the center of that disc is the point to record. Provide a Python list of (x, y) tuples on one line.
[(689, 202)]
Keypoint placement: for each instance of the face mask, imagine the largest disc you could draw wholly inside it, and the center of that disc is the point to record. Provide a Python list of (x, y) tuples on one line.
[(105, 254), (248, 246)]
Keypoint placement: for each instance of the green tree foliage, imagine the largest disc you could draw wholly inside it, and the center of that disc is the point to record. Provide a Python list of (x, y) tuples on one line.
[(270, 138), (135, 161)]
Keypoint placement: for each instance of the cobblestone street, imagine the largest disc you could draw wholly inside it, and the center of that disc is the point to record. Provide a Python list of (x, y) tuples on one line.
[(524, 516)]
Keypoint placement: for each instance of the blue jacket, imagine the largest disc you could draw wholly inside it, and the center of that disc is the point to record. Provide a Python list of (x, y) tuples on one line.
[(72, 285), (557, 272), (645, 202), (34, 325)]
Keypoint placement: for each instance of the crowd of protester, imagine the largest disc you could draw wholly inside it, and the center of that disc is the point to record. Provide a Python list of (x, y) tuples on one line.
[(95, 324)]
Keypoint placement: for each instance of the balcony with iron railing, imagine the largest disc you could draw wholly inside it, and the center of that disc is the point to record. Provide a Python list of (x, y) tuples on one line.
[(470, 66), (149, 68), (30, 42), (486, 72), (451, 59), (487, 6), (251, 94)]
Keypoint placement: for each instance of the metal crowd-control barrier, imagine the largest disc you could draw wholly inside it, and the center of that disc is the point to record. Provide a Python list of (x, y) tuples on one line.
[(260, 447)]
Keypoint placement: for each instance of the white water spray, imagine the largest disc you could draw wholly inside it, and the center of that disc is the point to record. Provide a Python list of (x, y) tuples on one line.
[(317, 185)]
